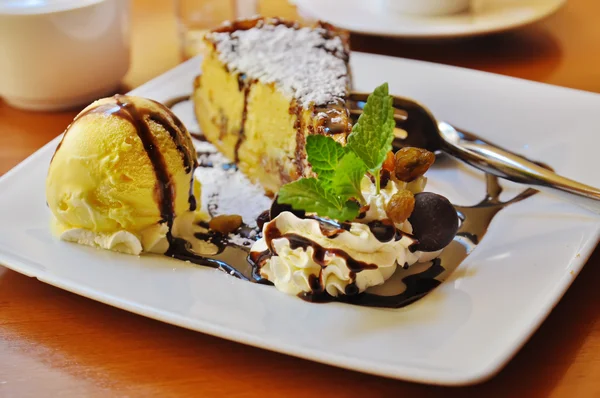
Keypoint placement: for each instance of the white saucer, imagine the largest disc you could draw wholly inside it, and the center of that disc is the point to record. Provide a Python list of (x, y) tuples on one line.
[(487, 16)]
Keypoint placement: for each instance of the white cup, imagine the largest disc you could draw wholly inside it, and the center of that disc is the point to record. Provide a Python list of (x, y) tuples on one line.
[(425, 7), (57, 54)]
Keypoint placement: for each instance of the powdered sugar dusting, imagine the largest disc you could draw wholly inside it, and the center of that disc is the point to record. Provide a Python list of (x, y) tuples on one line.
[(304, 63), (225, 190)]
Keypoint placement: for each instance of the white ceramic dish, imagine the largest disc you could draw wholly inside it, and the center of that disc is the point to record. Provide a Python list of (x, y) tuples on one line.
[(484, 17), (463, 332)]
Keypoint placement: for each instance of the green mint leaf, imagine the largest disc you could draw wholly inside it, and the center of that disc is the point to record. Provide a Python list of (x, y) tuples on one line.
[(312, 196), (324, 155), (348, 175), (348, 212), (372, 135), (340, 170)]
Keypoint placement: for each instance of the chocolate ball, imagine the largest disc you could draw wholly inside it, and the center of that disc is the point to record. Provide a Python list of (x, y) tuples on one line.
[(434, 221)]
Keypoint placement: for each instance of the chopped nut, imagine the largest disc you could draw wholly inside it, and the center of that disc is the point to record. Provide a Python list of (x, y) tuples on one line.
[(412, 163), (389, 163), (400, 206), (225, 223)]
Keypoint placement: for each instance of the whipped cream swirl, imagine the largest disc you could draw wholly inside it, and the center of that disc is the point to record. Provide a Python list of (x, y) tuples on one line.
[(313, 255)]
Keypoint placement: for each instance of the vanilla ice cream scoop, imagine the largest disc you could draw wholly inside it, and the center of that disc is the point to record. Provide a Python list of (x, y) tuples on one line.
[(122, 176)]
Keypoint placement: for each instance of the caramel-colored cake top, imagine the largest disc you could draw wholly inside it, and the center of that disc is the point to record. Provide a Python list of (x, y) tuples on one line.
[(309, 64)]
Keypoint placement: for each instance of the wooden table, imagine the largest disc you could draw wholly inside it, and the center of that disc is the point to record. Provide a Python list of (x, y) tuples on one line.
[(53, 343)]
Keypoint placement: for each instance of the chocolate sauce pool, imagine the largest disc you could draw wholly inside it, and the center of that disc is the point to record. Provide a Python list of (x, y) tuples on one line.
[(236, 260), (181, 99)]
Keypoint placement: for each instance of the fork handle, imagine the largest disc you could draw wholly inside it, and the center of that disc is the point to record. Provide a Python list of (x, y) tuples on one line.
[(505, 164)]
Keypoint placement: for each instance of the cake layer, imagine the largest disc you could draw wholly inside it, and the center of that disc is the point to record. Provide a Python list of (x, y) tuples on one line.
[(265, 85)]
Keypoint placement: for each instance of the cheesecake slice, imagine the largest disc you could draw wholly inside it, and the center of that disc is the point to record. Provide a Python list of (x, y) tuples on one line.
[(265, 85)]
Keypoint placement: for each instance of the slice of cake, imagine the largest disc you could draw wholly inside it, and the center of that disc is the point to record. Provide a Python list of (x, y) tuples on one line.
[(265, 85)]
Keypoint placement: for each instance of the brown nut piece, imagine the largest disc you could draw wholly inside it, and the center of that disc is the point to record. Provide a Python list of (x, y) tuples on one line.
[(225, 223), (389, 163), (412, 163), (400, 206)]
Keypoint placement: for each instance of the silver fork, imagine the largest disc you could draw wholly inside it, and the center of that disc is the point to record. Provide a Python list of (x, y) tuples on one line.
[(416, 126)]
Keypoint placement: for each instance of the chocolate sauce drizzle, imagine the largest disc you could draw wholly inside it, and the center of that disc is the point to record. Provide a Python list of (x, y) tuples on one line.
[(184, 145), (475, 221), (230, 258), (319, 252), (177, 100), (164, 190), (244, 85), (239, 262)]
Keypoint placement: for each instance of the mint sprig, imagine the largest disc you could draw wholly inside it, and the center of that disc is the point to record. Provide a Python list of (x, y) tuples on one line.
[(372, 135), (324, 155), (312, 196), (348, 175), (336, 193)]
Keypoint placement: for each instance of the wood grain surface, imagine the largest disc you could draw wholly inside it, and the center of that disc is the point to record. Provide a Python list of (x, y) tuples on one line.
[(54, 343)]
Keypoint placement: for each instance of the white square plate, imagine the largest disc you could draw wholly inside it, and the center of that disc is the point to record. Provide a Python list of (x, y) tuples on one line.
[(463, 332)]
